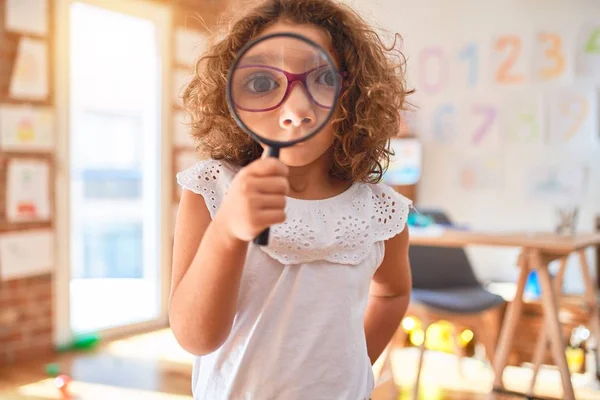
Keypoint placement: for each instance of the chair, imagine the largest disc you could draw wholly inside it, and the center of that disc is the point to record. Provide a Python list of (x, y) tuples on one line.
[(445, 288)]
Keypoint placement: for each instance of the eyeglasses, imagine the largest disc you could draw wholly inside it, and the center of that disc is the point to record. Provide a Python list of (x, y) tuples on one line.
[(260, 88)]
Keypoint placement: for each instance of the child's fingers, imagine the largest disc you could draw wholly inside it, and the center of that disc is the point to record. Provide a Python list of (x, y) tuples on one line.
[(272, 185), (271, 217), (270, 202), (268, 167)]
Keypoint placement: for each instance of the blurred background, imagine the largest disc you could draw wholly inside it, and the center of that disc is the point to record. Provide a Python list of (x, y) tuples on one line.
[(502, 135)]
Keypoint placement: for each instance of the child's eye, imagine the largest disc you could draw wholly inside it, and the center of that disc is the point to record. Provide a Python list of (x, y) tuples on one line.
[(261, 84), (326, 78)]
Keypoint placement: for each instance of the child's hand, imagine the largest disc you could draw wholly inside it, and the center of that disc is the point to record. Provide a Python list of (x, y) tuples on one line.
[(255, 199)]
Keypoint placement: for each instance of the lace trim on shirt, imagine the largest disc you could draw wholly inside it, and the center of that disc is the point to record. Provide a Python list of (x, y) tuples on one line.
[(341, 229), (209, 178)]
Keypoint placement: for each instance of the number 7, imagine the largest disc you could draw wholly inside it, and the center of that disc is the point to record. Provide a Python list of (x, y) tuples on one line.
[(489, 116)]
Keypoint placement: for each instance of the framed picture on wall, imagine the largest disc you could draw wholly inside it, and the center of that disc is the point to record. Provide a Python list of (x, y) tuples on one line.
[(405, 165), (28, 190)]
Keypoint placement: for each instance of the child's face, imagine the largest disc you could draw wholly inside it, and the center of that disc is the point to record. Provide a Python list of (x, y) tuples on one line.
[(297, 112)]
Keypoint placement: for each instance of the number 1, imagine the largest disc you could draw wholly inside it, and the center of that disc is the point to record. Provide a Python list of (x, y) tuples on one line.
[(469, 53)]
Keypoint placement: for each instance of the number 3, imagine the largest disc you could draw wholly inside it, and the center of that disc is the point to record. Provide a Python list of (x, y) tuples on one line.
[(553, 52)]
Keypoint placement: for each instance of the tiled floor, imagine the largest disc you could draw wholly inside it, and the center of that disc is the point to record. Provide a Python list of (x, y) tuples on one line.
[(153, 367)]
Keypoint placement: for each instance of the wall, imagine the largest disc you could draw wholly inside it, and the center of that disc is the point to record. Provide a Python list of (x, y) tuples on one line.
[(522, 81), (26, 310)]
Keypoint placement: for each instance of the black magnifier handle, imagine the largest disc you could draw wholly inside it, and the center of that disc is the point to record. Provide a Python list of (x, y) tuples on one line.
[(263, 238)]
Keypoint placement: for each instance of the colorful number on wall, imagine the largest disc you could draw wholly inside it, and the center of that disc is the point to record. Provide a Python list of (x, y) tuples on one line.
[(443, 123), (511, 47), (554, 54), (432, 56), (470, 54), (593, 43), (569, 110), (488, 116), (525, 125)]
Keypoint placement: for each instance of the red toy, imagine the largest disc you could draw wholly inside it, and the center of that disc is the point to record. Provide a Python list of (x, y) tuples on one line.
[(62, 383)]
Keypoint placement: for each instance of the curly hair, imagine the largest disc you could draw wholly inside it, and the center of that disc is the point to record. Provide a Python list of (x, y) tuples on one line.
[(370, 106)]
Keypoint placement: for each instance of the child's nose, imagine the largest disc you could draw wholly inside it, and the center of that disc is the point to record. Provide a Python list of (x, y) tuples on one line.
[(297, 110)]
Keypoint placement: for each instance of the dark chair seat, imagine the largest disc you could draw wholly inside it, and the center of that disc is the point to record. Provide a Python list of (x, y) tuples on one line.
[(460, 300)]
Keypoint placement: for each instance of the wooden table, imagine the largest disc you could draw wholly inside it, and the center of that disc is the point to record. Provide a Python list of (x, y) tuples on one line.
[(537, 251)]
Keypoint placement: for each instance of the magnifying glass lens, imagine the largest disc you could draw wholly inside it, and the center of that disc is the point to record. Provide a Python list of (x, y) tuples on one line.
[(283, 89)]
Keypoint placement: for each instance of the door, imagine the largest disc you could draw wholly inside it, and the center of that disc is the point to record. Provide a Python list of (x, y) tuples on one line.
[(114, 182)]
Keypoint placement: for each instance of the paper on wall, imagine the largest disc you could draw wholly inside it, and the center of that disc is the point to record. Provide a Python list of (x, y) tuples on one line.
[(29, 78), (27, 190), (573, 117), (557, 184), (181, 78), (181, 130), (522, 118), (27, 16), (24, 128), (189, 45), (484, 172), (587, 62), (26, 253), (405, 164)]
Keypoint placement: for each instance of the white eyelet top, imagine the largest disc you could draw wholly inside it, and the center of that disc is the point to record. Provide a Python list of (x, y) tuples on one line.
[(299, 329)]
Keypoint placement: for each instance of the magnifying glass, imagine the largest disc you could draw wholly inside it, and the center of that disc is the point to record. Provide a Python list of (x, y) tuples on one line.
[(282, 89)]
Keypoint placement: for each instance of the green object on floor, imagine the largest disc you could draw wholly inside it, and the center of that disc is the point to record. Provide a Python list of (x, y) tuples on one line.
[(52, 369), (86, 341)]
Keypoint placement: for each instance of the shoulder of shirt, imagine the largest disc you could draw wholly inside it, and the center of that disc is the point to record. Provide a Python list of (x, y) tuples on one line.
[(381, 189)]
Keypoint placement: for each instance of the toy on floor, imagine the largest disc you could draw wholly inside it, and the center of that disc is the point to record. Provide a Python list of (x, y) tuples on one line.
[(52, 369), (81, 342), (62, 383)]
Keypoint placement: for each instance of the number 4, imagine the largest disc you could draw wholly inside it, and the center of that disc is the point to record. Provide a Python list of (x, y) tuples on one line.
[(593, 43)]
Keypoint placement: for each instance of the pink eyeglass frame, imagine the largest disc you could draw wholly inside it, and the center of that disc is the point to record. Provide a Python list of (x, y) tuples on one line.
[(291, 78)]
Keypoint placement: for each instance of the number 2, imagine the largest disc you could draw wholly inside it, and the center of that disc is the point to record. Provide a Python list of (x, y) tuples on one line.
[(504, 74)]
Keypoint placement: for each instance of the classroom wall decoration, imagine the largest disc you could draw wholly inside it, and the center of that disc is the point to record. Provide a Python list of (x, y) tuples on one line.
[(19, 261), (521, 113), (27, 135), (27, 190), (29, 79), (506, 107), (405, 165), (189, 43), (26, 128), (562, 185), (27, 16), (181, 130), (26, 116)]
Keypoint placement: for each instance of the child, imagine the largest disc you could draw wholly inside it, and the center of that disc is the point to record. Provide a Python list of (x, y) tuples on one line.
[(306, 316)]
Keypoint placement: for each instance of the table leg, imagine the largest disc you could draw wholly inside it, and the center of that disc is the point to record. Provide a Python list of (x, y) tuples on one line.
[(557, 343), (542, 343), (509, 325), (591, 299)]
